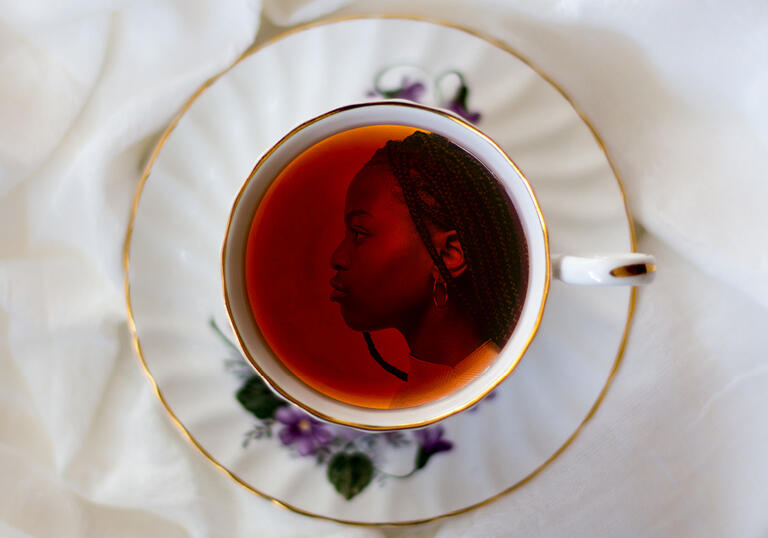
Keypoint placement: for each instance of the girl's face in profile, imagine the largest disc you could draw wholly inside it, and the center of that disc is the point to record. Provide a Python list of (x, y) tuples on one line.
[(383, 271)]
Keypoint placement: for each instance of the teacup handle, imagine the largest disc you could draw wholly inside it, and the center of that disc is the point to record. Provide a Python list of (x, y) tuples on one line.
[(631, 269)]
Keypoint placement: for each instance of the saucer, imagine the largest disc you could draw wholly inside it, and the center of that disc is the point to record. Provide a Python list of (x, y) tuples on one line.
[(176, 305)]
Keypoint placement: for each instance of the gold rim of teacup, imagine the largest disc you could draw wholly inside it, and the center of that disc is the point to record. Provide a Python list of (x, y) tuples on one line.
[(240, 272)]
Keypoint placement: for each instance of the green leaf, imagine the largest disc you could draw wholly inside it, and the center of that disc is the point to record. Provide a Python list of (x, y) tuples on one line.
[(422, 457), (350, 473), (256, 397)]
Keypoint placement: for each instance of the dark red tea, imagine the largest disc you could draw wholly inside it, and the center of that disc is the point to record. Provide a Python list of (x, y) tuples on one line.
[(386, 267)]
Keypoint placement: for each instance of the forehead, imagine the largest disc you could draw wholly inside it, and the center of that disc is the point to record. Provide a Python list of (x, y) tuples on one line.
[(374, 187)]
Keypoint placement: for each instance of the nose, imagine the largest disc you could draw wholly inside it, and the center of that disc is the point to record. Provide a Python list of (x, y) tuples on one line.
[(340, 257)]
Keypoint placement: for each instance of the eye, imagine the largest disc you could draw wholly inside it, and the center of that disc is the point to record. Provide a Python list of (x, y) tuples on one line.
[(357, 234)]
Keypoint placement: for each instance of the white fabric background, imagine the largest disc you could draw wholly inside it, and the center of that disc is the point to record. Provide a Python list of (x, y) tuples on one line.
[(676, 89)]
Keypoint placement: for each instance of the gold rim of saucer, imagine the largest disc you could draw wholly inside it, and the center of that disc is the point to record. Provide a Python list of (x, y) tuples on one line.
[(145, 175), (274, 384)]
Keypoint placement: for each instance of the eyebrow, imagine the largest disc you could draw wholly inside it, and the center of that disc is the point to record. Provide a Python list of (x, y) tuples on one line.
[(355, 213)]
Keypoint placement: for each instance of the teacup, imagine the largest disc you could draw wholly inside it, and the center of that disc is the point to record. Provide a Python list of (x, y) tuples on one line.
[(444, 242)]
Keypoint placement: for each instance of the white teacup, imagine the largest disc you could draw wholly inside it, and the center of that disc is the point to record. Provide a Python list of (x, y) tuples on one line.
[(613, 269)]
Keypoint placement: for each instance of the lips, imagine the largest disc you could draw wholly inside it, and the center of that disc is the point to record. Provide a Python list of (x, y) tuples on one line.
[(339, 291)]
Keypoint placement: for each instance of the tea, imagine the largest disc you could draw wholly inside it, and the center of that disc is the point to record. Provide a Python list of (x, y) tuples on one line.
[(385, 267)]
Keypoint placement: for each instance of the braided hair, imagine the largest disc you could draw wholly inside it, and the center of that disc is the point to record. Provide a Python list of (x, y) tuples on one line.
[(444, 185)]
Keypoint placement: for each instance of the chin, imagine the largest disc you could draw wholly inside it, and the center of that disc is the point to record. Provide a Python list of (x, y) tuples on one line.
[(358, 321)]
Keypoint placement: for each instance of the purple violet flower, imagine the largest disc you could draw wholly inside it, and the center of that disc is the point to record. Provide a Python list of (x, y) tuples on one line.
[(431, 442), (411, 91), (458, 105), (301, 430)]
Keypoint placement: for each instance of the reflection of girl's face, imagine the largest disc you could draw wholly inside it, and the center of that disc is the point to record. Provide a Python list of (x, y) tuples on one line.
[(383, 271)]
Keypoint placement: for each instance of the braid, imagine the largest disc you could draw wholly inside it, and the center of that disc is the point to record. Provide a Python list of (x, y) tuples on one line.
[(444, 185)]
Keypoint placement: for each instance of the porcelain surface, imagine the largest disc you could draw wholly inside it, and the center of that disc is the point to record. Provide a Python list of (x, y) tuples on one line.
[(176, 299)]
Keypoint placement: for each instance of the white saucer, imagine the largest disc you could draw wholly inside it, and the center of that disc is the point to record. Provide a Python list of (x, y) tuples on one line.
[(174, 286)]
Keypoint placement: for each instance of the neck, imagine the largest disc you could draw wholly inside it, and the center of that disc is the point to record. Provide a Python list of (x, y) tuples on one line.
[(442, 335)]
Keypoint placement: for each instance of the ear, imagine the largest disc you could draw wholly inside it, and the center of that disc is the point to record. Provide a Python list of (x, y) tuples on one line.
[(450, 250)]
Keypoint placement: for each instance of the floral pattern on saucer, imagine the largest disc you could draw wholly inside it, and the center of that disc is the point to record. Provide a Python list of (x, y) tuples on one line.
[(411, 83), (349, 454), (173, 270)]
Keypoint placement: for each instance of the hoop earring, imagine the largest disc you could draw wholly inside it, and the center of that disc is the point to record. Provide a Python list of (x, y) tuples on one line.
[(440, 293)]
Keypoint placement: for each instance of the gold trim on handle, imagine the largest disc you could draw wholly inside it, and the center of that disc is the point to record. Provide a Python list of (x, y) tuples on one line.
[(636, 269), (137, 343)]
